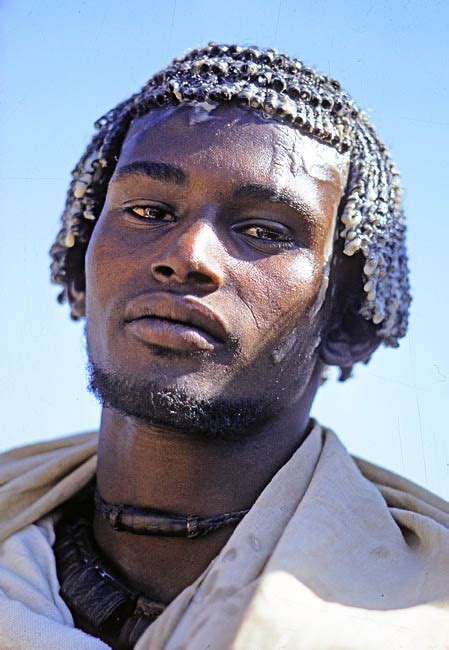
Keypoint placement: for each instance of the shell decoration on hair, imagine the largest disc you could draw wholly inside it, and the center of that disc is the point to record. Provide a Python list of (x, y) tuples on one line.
[(279, 87)]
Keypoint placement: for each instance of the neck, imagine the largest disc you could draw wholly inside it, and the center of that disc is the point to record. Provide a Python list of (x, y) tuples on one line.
[(155, 467)]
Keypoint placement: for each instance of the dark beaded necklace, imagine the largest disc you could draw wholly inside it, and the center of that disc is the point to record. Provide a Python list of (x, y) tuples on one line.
[(100, 601)]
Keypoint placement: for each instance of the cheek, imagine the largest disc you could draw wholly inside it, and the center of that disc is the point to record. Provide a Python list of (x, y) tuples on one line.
[(98, 268), (109, 262), (281, 294), (285, 286)]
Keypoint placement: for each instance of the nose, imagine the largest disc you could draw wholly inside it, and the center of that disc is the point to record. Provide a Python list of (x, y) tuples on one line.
[(191, 259)]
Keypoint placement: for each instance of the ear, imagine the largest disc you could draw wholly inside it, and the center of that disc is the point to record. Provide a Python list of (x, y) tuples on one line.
[(352, 339), (77, 300)]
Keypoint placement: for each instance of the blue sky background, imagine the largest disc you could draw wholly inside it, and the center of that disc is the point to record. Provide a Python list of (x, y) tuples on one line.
[(64, 63)]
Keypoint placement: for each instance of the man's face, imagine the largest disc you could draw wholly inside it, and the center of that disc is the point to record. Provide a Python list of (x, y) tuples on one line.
[(209, 264)]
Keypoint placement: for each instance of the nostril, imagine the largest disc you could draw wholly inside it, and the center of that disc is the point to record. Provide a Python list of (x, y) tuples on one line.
[(179, 274), (199, 278), (166, 271)]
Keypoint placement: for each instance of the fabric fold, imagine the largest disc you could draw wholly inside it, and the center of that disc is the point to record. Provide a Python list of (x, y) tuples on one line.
[(334, 553), (35, 480), (335, 560)]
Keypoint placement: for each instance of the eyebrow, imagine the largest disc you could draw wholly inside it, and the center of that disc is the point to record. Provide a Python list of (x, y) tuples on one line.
[(158, 171), (273, 195)]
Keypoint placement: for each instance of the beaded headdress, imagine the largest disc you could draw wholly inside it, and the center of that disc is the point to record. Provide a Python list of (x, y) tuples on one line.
[(372, 221)]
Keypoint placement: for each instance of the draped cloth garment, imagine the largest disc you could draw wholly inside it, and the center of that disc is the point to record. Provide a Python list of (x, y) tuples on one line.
[(336, 553)]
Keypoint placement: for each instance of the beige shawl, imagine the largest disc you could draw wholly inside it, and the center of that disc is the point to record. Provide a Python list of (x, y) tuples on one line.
[(334, 554)]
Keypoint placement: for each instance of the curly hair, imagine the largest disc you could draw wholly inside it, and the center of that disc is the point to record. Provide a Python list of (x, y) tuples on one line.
[(279, 87)]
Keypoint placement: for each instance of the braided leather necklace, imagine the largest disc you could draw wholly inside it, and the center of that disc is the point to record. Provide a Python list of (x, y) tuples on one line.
[(147, 521)]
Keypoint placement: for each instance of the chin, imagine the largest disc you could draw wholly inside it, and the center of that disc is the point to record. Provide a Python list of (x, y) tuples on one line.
[(175, 407)]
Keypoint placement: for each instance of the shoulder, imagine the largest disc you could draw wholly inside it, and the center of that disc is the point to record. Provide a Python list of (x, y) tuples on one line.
[(404, 494), (38, 449), (35, 479)]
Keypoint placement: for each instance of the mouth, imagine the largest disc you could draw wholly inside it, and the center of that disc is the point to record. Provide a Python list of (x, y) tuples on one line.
[(172, 322), (167, 333)]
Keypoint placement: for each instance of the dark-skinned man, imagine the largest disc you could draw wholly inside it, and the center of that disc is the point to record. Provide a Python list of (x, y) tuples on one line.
[(231, 231)]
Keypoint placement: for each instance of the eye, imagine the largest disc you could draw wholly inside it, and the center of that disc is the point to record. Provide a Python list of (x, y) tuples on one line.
[(151, 213), (267, 234), (262, 232)]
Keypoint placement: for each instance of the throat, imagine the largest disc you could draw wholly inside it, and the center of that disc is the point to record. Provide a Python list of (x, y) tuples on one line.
[(158, 566), (147, 467)]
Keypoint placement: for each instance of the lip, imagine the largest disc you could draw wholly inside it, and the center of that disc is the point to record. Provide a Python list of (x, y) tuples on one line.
[(180, 323)]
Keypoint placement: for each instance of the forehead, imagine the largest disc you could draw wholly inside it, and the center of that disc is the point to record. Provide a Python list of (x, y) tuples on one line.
[(234, 141)]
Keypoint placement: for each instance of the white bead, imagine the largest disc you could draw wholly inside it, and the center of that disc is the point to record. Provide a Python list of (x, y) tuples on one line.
[(69, 239), (352, 246), (370, 267), (80, 189)]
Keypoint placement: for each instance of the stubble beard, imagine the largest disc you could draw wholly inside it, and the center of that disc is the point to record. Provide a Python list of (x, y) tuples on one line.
[(154, 404)]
